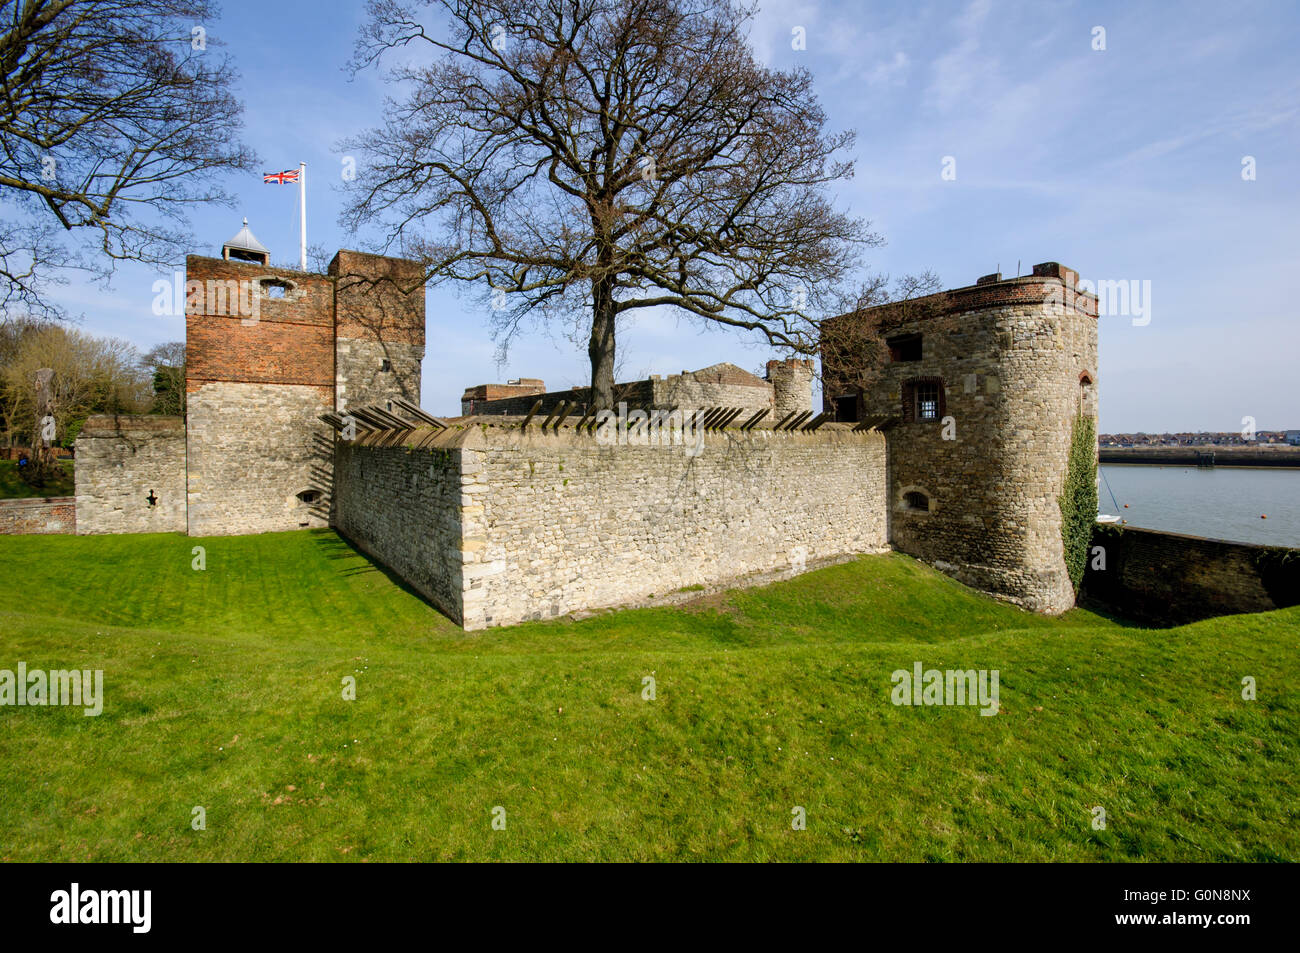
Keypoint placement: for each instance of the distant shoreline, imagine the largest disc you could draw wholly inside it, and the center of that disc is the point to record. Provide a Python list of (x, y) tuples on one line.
[(1256, 457)]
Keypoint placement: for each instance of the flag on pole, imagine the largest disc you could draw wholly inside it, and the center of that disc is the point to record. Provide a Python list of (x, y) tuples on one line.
[(298, 176)]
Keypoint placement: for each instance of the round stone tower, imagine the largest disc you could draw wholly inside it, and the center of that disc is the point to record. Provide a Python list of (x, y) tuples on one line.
[(791, 381), (979, 396)]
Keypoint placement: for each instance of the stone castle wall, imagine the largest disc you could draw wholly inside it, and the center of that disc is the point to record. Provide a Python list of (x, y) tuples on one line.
[(253, 450), (379, 314), (567, 524), (404, 507), (693, 390), (1171, 579), (538, 525), (121, 462), (722, 385), (1009, 358)]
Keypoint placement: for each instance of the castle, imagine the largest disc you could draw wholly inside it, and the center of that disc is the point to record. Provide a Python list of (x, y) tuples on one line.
[(304, 411)]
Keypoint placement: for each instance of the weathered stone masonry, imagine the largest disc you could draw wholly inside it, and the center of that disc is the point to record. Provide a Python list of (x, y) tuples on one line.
[(131, 475), (404, 508), (497, 526), (1012, 362), (1171, 579), (959, 457)]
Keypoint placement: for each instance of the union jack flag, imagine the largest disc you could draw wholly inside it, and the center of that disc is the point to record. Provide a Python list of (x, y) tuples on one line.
[(280, 178)]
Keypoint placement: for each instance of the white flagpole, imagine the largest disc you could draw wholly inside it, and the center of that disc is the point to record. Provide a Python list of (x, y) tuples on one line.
[(302, 207)]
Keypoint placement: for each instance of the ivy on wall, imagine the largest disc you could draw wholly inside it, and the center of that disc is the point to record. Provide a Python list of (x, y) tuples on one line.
[(1078, 499)]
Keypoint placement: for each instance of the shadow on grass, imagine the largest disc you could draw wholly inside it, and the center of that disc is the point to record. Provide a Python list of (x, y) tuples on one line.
[(357, 562), (1106, 611), (336, 546)]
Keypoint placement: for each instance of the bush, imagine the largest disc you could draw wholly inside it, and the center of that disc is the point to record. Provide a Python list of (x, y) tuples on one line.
[(1078, 499)]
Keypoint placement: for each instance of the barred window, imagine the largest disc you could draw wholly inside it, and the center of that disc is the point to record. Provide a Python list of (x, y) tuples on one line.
[(923, 399), (927, 401)]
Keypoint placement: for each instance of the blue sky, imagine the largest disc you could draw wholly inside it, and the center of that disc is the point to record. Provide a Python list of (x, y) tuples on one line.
[(1124, 163)]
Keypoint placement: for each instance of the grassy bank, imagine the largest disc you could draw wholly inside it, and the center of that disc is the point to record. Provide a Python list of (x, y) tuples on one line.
[(223, 690)]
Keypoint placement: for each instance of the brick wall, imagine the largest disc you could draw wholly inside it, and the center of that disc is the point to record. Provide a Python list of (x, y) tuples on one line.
[(481, 395), (1170, 579), (51, 514), (122, 461), (290, 340)]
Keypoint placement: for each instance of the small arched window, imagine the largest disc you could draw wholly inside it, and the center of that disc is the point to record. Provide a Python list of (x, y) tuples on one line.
[(309, 496), (916, 501), (1087, 395)]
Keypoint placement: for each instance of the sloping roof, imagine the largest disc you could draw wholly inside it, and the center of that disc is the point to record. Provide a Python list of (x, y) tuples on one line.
[(728, 372), (244, 241)]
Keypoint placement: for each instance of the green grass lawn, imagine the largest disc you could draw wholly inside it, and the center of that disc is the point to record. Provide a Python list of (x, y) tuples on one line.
[(223, 689), (12, 485)]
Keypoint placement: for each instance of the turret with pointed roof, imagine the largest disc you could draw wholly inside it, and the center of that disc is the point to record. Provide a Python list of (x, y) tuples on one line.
[(244, 247)]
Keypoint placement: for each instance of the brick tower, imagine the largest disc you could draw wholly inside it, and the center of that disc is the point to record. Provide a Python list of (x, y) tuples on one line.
[(270, 349)]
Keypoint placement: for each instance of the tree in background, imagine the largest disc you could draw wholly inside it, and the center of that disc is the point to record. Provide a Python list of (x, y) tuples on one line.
[(588, 158), (13, 336), (115, 117), (91, 375), (165, 366)]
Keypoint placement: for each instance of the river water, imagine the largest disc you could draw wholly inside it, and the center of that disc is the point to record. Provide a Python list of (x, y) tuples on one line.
[(1221, 503)]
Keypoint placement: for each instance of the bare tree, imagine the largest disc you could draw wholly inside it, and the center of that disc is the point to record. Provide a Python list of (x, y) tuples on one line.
[(42, 463), (114, 115), (15, 336), (586, 158), (91, 375), (854, 346)]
